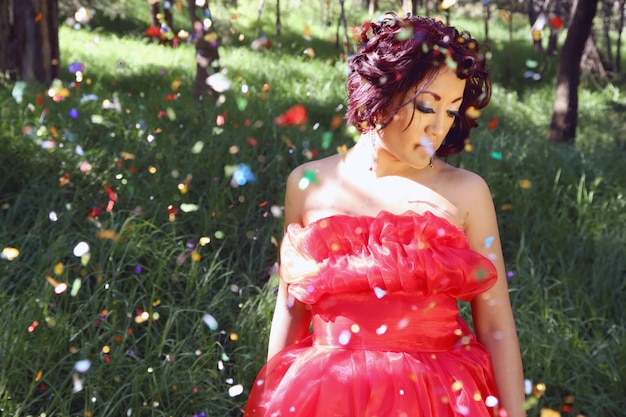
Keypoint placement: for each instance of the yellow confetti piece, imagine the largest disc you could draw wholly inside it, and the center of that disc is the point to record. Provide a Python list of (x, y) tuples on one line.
[(176, 84), (58, 268), (525, 184), (39, 375), (539, 389), (127, 155), (446, 4), (234, 336), (195, 256), (9, 253), (342, 150), (107, 234), (472, 112)]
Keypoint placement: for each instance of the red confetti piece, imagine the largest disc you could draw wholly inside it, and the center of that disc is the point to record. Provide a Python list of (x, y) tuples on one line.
[(556, 22), (112, 194), (64, 180), (153, 32), (493, 123), (294, 116)]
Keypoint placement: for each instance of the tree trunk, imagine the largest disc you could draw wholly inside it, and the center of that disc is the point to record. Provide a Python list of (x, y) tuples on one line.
[(30, 40), (606, 20), (487, 17), (8, 65), (407, 6), (372, 6), (565, 113), (618, 53), (207, 55)]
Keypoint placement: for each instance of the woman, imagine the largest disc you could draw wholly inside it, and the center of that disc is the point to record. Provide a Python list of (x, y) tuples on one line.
[(385, 240)]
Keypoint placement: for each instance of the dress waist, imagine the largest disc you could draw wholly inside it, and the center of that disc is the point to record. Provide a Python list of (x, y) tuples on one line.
[(398, 322)]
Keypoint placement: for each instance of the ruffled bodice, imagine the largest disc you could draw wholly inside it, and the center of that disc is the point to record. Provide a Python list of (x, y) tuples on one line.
[(388, 253)]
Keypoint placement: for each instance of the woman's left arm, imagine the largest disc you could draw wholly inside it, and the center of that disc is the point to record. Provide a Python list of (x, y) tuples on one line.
[(491, 311)]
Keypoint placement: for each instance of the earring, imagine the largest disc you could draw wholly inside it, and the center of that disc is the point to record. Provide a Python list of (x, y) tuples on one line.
[(372, 138), (430, 163)]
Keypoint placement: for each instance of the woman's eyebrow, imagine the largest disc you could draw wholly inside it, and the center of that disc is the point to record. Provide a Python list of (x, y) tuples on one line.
[(437, 97)]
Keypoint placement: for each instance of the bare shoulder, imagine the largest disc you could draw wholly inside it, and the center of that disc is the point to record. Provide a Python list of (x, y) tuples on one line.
[(467, 190), (300, 186)]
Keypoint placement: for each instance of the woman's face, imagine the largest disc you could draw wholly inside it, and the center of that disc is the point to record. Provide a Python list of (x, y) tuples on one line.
[(419, 127)]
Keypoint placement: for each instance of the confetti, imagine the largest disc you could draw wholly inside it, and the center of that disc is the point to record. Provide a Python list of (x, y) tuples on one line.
[(427, 145), (344, 337), (556, 22), (380, 293), (59, 287), (496, 155), (242, 175), (219, 83), (188, 208), (82, 366), (9, 253), (235, 390), (294, 116), (307, 179), (75, 67), (472, 112), (489, 241), (76, 287), (81, 249), (107, 234), (525, 184), (210, 321), (197, 147), (18, 91)]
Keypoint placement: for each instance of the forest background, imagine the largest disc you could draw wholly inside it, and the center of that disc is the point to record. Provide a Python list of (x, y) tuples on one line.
[(139, 225)]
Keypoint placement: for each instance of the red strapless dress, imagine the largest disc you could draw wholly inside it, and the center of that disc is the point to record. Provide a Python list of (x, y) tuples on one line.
[(387, 338)]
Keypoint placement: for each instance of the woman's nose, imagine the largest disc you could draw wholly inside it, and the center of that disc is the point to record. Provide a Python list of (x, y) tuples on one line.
[(437, 127)]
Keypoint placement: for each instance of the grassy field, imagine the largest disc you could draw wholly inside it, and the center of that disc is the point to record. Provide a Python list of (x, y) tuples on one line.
[(138, 277)]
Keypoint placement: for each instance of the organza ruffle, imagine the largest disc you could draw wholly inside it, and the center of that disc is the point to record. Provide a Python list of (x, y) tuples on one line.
[(387, 338), (409, 252)]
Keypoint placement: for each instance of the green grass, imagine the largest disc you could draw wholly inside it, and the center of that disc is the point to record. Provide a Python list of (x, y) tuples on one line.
[(563, 237)]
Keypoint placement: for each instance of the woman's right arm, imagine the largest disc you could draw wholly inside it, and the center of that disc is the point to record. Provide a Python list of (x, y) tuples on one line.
[(291, 319)]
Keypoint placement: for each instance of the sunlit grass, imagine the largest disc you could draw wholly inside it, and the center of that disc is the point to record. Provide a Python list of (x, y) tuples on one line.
[(561, 212)]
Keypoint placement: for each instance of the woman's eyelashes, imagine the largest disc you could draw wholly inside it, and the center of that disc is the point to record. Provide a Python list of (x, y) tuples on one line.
[(429, 110)]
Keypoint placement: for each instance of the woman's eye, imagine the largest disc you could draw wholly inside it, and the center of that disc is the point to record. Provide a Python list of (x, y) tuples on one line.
[(424, 109), (454, 113)]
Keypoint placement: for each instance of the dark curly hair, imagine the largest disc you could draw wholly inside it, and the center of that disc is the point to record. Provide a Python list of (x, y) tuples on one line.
[(398, 53)]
